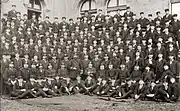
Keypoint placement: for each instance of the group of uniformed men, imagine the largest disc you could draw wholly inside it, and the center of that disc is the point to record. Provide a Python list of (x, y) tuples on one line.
[(116, 56)]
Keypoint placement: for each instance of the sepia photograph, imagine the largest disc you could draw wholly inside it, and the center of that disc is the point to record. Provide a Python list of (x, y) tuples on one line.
[(90, 55)]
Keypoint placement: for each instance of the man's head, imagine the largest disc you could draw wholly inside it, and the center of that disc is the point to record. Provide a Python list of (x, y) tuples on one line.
[(166, 67), (141, 82), (136, 67), (25, 65), (13, 7), (172, 80), (167, 11), (175, 16), (11, 65), (142, 14)]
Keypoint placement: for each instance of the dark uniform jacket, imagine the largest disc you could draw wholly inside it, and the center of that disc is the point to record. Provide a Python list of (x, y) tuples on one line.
[(25, 73)]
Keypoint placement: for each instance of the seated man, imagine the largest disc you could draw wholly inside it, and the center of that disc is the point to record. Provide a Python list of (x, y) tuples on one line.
[(163, 92), (22, 90), (90, 84), (55, 86), (46, 87), (66, 85), (126, 90), (78, 86), (103, 88), (113, 87), (140, 90), (36, 88), (151, 90), (174, 92)]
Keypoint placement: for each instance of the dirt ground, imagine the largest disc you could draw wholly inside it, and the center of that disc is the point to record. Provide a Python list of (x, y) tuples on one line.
[(85, 103)]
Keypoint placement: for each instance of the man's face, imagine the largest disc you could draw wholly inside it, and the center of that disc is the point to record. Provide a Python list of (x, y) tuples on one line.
[(136, 67), (172, 80), (142, 15), (122, 66), (86, 13), (100, 11), (158, 14), (175, 18), (13, 8), (18, 15), (63, 19), (102, 67), (167, 12), (47, 19), (110, 66), (34, 16), (153, 84), (25, 17), (134, 17), (150, 17), (25, 65)]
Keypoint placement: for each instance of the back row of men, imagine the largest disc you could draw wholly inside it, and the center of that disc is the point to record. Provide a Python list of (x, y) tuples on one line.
[(89, 20)]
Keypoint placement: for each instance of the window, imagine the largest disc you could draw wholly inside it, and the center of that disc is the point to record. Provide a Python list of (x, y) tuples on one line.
[(34, 4), (113, 5), (88, 5)]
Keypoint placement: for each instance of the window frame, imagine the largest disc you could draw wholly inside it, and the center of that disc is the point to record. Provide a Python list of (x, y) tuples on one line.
[(90, 10), (115, 8), (33, 3)]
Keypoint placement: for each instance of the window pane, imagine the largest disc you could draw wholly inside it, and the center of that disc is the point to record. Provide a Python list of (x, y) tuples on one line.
[(31, 1), (85, 6), (37, 2), (122, 2), (112, 3), (93, 4), (37, 7)]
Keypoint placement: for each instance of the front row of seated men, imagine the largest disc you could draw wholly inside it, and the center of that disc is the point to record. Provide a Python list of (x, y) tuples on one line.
[(143, 87)]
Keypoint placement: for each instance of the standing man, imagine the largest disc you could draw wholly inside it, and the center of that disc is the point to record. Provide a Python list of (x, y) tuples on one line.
[(167, 16), (12, 13), (25, 72), (128, 13), (143, 21)]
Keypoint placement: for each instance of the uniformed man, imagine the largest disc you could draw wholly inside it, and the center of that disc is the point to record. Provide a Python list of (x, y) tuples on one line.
[(128, 12), (12, 13), (167, 16), (25, 72), (140, 90)]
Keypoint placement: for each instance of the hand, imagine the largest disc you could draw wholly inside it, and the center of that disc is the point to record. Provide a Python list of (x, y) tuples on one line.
[(23, 90), (150, 95), (81, 72), (77, 88), (70, 89), (167, 95), (98, 83), (136, 96), (120, 94)]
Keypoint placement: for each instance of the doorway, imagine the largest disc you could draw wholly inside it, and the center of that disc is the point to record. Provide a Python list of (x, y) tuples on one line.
[(176, 8), (30, 12)]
